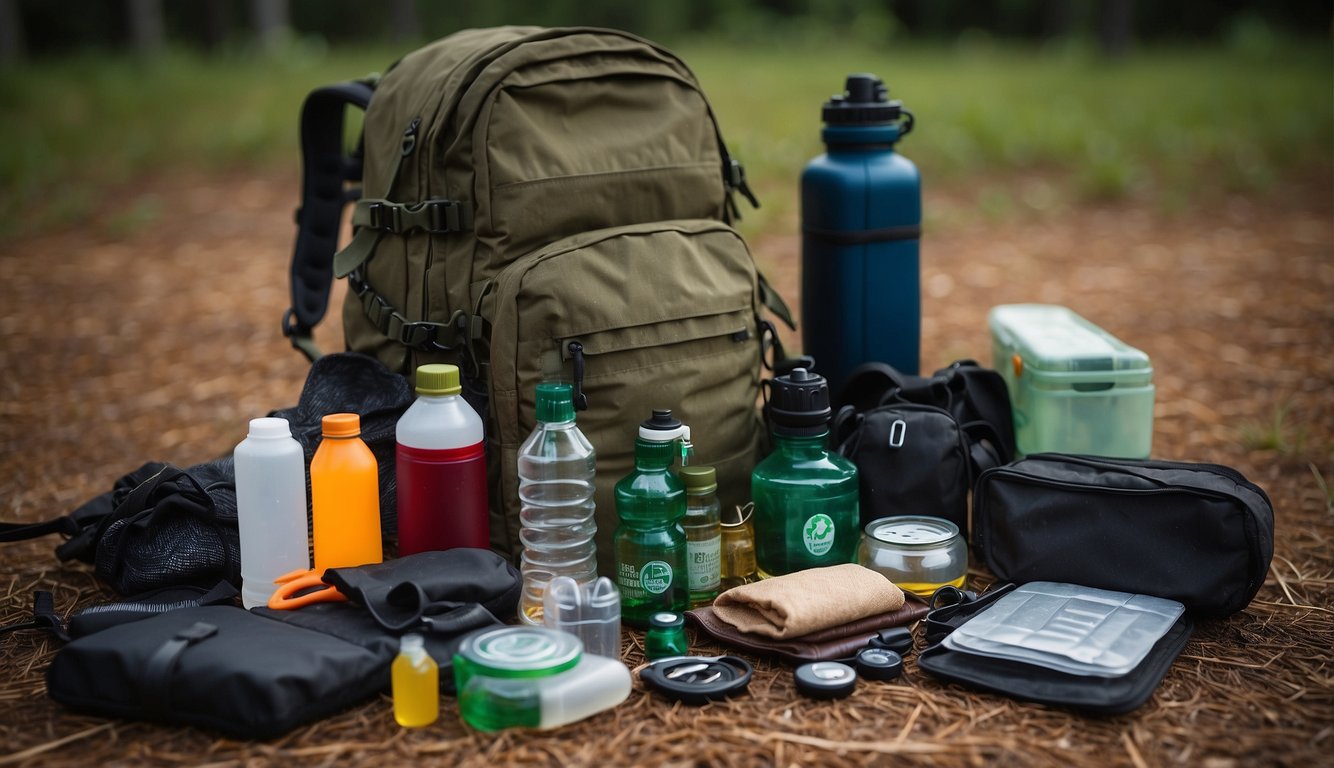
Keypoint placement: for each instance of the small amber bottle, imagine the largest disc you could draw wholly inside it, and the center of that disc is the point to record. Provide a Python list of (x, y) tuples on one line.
[(738, 556)]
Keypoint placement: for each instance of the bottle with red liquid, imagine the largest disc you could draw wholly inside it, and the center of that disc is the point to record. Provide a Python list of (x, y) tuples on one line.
[(441, 468)]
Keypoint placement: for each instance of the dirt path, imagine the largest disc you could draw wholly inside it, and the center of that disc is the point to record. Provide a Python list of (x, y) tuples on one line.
[(142, 337)]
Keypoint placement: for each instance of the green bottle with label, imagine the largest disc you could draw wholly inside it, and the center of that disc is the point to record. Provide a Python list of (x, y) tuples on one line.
[(806, 496), (650, 544)]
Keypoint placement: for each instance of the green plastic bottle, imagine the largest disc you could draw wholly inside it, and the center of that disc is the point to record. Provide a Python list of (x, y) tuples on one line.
[(650, 544), (806, 497)]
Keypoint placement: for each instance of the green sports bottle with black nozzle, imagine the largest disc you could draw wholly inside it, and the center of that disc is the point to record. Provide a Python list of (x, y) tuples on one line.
[(806, 496), (650, 544)]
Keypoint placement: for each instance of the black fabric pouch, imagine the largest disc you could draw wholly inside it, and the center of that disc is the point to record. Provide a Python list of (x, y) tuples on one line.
[(96, 618), (217, 666), (1093, 695), (1200, 534)]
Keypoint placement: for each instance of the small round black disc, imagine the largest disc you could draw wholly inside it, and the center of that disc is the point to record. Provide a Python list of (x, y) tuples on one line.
[(697, 680), (825, 680), (879, 663)]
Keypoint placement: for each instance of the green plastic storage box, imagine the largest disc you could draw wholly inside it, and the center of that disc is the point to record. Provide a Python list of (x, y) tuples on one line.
[(1074, 387)]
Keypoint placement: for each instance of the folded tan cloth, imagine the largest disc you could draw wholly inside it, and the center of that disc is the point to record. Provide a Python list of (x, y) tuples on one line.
[(808, 601)]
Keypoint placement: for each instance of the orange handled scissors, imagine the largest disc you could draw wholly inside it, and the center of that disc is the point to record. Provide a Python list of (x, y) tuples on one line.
[(301, 588)]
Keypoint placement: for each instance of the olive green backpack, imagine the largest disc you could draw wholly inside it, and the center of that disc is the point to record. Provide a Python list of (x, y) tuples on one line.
[(543, 204)]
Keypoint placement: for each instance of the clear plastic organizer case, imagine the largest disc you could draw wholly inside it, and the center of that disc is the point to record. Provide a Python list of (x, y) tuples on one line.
[(1069, 628)]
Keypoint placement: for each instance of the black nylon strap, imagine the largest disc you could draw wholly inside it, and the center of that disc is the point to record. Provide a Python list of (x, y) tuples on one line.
[(864, 236), (44, 616), (10, 532), (325, 172), (162, 665)]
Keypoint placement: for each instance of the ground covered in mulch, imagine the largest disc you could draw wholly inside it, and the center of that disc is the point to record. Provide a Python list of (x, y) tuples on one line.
[(156, 337)]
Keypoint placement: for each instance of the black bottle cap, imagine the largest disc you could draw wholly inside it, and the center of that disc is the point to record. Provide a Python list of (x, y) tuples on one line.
[(799, 404), (879, 663), (697, 680), (825, 680), (864, 101), (662, 421), (896, 639)]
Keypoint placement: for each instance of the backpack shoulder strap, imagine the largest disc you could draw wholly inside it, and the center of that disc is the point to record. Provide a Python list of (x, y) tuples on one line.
[(325, 173), (870, 383)]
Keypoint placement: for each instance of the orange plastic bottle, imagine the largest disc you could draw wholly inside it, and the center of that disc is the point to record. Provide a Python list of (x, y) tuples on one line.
[(345, 496)]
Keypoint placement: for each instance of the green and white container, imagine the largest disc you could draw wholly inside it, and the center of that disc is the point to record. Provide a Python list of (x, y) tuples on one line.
[(533, 677), (1074, 388)]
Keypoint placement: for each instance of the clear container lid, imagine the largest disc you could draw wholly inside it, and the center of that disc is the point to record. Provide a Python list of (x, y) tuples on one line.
[(521, 652), (912, 531), (1052, 338)]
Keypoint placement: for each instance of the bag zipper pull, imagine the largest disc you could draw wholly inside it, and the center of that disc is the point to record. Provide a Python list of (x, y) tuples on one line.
[(577, 352)]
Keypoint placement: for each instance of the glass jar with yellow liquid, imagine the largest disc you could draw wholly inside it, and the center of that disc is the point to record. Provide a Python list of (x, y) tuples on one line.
[(920, 554)]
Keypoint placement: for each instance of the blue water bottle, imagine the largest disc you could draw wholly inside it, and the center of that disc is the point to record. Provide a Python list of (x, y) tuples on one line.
[(861, 218)]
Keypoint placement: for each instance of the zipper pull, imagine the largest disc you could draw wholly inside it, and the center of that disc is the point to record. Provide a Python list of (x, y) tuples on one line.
[(410, 136), (577, 352)]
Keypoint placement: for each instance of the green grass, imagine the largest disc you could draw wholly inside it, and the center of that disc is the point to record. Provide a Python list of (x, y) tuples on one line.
[(1278, 435), (1166, 127)]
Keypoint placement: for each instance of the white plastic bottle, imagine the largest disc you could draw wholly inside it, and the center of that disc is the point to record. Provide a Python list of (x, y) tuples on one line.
[(556, 469), (270, 508), (441, 468)]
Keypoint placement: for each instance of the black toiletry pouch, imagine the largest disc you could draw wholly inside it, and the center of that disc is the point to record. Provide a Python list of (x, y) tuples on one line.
[(1027, 682), (1200, 534), (219, 667)]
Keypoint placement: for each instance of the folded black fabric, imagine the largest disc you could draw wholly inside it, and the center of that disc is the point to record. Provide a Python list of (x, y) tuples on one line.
[(428, 588), (825, 645), (219, 667)]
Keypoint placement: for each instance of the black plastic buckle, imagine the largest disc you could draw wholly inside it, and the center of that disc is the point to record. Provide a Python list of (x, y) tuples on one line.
[(385, 217)]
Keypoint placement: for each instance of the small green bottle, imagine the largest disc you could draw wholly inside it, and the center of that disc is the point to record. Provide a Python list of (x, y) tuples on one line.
[(649, 543), (704, 533), (806, 497)]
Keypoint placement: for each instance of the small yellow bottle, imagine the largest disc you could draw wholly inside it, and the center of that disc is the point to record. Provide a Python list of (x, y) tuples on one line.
[(416, 682)]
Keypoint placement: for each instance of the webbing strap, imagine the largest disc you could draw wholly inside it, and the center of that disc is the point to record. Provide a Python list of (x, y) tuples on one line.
[(326, 171), (389, 321), (161, 667), (66, 526), (372, 218), (44, 617)]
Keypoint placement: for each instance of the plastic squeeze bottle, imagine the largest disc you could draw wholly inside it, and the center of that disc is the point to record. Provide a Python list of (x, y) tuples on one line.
[(270, 508), (704, 533), (861, 216), (556, 469), (806, 497), (345, 496), (440, 466), (651, 566), (416, 684)]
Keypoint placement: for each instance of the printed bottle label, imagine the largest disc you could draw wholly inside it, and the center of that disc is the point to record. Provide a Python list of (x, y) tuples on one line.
[(703, 561), (655, 577), (818, 534)]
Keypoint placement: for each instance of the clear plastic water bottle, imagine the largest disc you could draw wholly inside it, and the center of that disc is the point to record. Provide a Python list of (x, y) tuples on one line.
[(270, 508), (556, 468)]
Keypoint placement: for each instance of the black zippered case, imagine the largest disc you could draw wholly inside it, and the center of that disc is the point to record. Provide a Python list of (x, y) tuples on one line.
[(1201, 534)]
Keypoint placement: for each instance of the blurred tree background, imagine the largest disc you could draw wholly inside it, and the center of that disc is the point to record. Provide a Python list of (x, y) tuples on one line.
[(1164, 102)]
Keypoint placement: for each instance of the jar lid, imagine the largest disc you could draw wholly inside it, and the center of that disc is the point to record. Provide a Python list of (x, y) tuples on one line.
[(912, 531), (521, 651), (698, 478), (825, 680), (666, 620), (879, 663)]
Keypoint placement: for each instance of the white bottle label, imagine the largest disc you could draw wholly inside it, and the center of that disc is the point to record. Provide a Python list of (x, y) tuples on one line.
[(818, 534), (703, 559)]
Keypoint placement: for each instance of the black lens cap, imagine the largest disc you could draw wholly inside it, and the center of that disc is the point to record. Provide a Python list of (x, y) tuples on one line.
[(697, 680), (825, 680), (896, 639), (879, 663)]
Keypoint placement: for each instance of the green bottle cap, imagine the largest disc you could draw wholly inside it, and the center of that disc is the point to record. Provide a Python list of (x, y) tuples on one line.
[(518, 652), (438, 379), (555, 402), (699, 479)]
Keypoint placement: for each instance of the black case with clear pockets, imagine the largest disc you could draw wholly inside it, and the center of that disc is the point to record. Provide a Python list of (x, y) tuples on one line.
[(1027, 682)]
